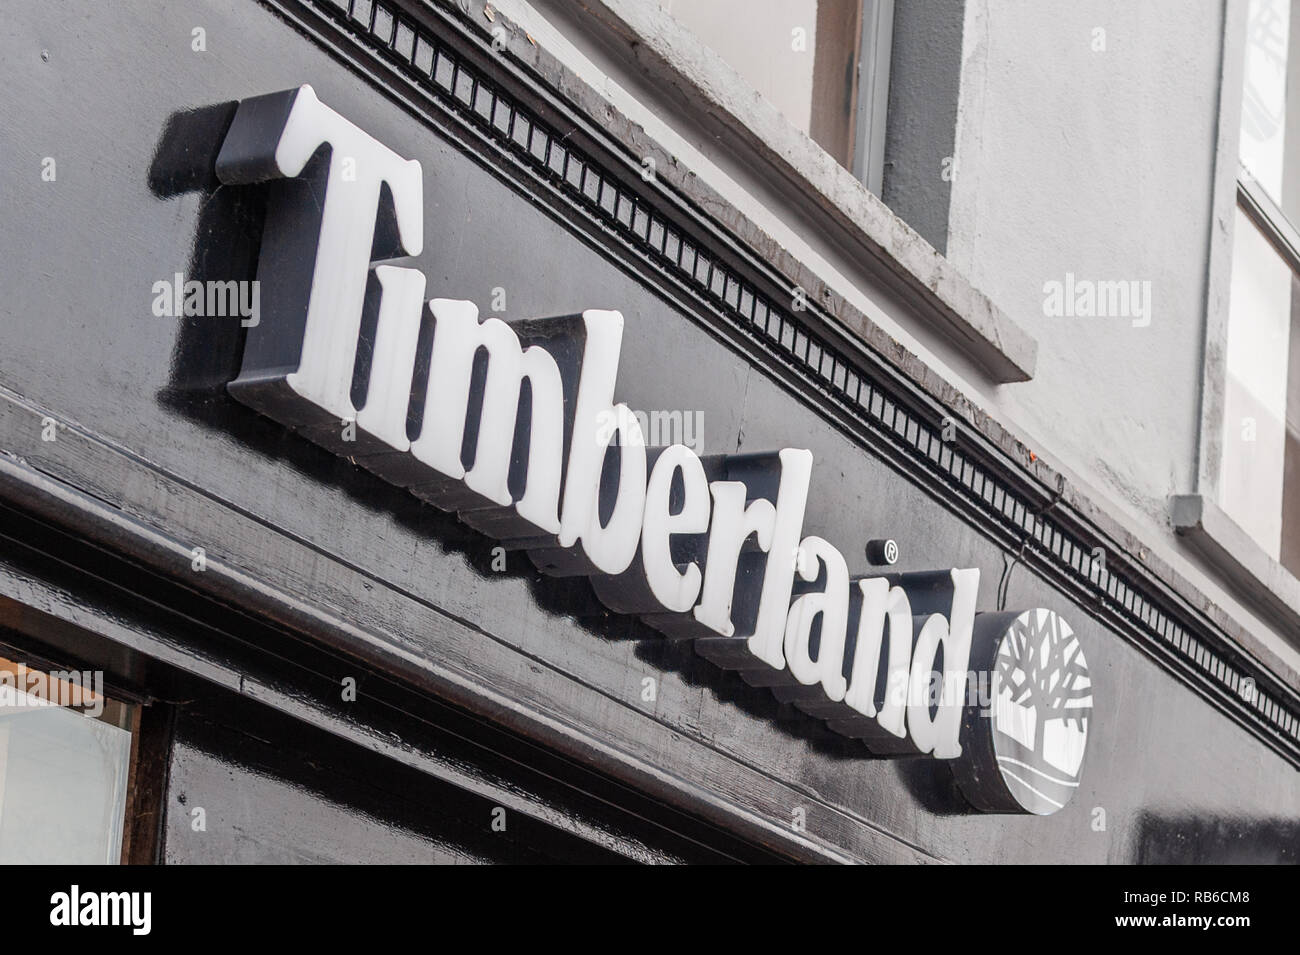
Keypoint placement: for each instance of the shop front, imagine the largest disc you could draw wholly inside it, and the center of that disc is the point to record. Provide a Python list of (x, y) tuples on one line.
[(429, 475)]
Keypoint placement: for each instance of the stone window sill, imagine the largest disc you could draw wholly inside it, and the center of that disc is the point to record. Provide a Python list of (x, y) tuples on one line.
[(673, 58), (1236, 555)]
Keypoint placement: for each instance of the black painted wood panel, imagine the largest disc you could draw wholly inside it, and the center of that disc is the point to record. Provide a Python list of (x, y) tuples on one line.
[(152, 459)]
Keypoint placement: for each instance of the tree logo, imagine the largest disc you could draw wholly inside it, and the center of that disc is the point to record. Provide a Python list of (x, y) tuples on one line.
[(1025, 744), (1042, 702)]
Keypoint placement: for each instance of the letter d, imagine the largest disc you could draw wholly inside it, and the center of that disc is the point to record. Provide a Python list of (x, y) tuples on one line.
[(940, 736)]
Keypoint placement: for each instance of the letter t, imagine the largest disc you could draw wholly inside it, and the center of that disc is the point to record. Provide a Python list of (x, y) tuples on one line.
[(275, 137)]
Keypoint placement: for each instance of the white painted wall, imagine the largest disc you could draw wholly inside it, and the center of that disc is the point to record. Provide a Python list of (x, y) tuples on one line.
[(1085, 145), (757, 38)]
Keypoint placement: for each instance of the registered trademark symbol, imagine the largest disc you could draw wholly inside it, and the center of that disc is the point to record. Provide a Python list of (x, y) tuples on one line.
[(882, 552)]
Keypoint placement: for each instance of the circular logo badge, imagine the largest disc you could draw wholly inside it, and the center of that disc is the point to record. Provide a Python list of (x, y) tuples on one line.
[(1041, 699)]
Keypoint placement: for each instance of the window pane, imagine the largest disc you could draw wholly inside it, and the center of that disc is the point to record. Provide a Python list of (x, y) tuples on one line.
[(800, 55), (1261, 334), (1270, 132), (1290, 556), (63, 772)]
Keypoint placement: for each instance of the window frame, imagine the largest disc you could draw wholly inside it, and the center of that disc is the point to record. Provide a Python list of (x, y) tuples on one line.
[(873, 93), (148, 722), (1198, 516)]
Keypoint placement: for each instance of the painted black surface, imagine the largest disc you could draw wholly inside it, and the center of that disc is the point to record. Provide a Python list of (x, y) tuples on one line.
[(151, 433), (251, 765), (271, 790)]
